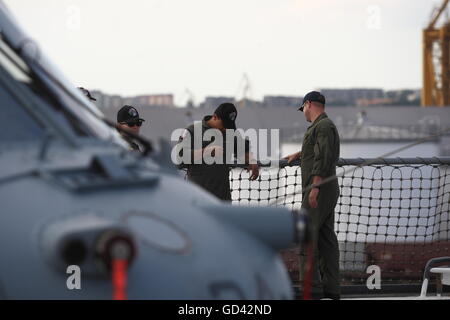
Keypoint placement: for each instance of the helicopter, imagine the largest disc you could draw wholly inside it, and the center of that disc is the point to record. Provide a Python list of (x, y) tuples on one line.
[(82, 217)]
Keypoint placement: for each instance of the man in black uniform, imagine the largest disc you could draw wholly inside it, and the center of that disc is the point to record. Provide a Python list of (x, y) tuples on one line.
[(319, 155), (215, 177), (128, 119)]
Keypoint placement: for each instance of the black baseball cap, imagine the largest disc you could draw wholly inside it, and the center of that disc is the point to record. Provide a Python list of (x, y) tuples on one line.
[(87, 94), (227, 113), (128, 113), (313, 96)]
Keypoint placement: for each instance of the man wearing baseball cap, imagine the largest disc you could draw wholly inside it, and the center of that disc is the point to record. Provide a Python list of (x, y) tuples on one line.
[(214, 177), (318, 159), (128, 119)]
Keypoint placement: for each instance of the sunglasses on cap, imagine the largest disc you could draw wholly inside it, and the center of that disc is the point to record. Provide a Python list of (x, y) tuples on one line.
[(304, 105), (133, 123)]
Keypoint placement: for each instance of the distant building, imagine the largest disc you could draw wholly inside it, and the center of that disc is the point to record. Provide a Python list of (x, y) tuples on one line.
[(281, 101), (116, 101), (214, 102), (405, 97), (334, 97), (371, 97), (130, 101), (106, 100), (349, 97), (245, 103), (163, 100), (374, 102), (97, 94)]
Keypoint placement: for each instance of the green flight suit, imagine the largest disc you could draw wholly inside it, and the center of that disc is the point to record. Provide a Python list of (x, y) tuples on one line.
[(320, 153)]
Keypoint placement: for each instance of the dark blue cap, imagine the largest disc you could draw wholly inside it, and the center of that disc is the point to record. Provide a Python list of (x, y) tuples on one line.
[(313, 96), (227, 113), (128, 113)]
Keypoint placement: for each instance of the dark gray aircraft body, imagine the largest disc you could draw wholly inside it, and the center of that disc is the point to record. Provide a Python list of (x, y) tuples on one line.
[(71, 194)]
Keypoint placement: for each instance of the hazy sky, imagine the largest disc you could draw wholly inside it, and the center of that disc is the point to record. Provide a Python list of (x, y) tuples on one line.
[(286, 47)]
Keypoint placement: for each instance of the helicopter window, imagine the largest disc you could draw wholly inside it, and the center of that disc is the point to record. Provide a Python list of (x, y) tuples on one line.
[(17, 125), (16, 68), (50, 99)]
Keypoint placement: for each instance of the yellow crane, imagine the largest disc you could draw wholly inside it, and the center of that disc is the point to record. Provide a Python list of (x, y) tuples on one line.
[(436, 61)]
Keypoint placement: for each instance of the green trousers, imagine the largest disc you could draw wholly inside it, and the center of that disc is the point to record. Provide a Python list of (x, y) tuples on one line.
[(326, 279)]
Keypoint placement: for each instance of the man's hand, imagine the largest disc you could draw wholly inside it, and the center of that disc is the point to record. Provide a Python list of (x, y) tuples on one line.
[(292, 157), (254, 168), (313, 197)]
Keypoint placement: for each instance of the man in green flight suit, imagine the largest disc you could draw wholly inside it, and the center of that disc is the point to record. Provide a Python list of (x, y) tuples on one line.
[(318, 158)]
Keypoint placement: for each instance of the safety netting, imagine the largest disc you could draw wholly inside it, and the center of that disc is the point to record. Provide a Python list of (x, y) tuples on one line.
[(391, 213)]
